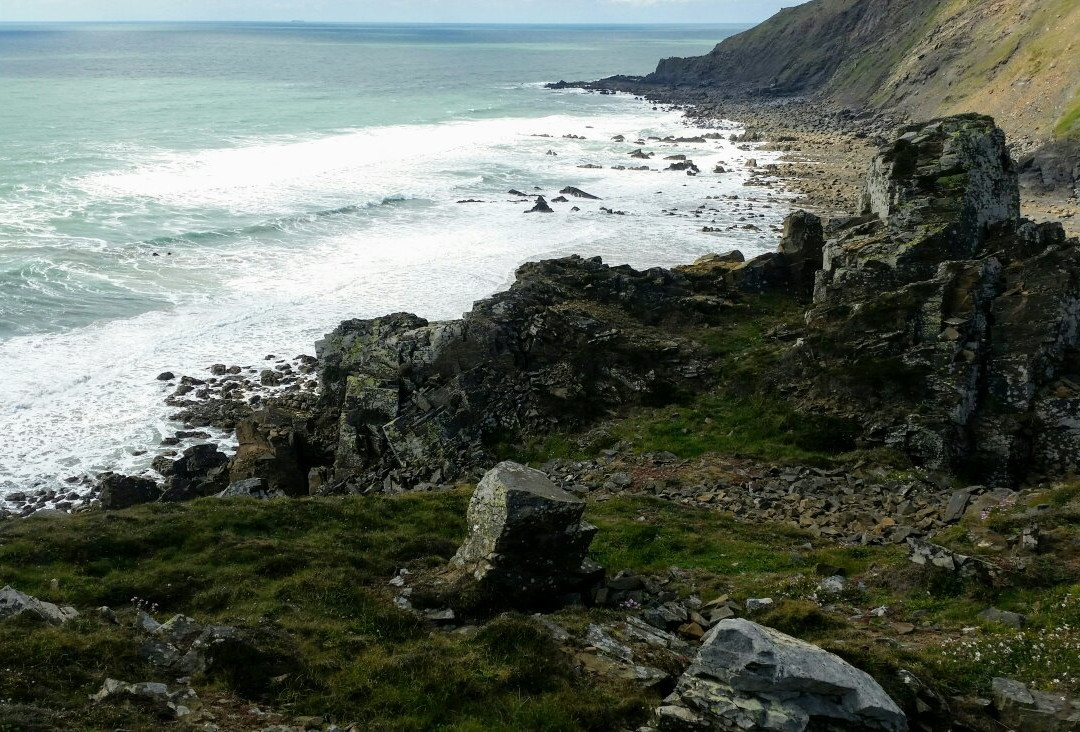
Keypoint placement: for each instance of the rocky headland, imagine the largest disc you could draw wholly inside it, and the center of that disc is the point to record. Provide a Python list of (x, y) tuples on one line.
[(829, 487)]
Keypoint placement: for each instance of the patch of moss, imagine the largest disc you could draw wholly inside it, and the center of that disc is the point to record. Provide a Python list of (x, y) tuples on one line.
[(1069, 124)]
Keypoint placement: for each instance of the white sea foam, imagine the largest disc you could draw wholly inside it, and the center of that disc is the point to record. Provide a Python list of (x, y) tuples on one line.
[(85, 400)]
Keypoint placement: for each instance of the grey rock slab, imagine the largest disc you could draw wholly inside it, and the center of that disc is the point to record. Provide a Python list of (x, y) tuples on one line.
[(746, 676), (14, 604)]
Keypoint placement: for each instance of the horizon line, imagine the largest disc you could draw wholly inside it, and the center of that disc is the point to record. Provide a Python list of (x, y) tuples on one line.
[(300, 21)]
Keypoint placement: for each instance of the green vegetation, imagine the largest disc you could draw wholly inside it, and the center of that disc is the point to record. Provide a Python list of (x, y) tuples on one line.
[(757, 426), (741, 415), (310, 576), (1069, 124)]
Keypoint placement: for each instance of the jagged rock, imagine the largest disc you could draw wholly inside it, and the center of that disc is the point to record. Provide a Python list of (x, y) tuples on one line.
[(416, 401), (123, 491), (526, 541), (1034, 711), (202, 470), (746, 676), (272, 447), (971, 311), (14, 604), (926, 554), (802, 245), (541, 206), (251, 488), (159, 698), (578, 193)]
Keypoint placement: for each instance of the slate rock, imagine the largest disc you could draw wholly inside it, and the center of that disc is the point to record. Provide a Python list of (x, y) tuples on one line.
[(746, 676)]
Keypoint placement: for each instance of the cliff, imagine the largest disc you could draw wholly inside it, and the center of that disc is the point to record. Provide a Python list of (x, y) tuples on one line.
[(1016, 60)]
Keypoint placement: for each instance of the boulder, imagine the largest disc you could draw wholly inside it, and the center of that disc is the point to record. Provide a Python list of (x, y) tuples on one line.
[(802, 245), (159, 698), (251, 488), (15, 604), (123, 491), (273, 448), (746, 676), (578, 193), (1031, 710), (202, 470), (526, 542), (541, 206)]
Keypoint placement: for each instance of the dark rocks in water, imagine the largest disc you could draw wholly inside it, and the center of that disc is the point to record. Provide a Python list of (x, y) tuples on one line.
[(687, 165), (747, 676), (519, 194), (641, 155), (526, 543), (123, 491), (591, 166), (611, 211), (202, 470), (560, 199), (471, 200), (578, 193), (541, 206), (166, 376)]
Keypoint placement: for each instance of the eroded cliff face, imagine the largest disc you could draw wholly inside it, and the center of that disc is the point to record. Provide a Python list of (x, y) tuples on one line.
[(1018, 60), (965, 315)]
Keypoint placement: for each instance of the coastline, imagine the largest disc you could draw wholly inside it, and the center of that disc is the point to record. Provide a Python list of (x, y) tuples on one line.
[(197, 420), (823, 158), (766, 439)]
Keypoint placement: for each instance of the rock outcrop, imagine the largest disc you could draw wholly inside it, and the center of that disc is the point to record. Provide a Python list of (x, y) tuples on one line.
[(941, 296), (14, 604), (747, 676), (1032, 710), (124, 491), (526, 543), (174, 703), (202, 470), (570, 340)]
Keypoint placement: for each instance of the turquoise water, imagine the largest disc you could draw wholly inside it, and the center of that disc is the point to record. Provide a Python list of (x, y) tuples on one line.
[(177, 195)]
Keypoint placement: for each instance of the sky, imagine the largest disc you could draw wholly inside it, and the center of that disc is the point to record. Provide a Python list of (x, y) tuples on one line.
[(426, 11)]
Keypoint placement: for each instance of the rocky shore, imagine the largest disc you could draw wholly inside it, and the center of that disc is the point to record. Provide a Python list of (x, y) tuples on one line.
[(858, 447)]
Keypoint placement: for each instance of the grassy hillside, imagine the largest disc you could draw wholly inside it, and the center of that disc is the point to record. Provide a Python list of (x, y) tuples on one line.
[(1017, 60)]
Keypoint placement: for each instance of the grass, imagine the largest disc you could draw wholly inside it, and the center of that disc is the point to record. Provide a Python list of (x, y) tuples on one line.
[(742, 414), (1069, 124), (753, 425), (311, 577)]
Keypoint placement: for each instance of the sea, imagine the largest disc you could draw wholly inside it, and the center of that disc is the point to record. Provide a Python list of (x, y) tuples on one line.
[(173, 196)]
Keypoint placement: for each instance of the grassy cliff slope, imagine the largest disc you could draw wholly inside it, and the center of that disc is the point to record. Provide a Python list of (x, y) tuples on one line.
[(1018, 60)]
